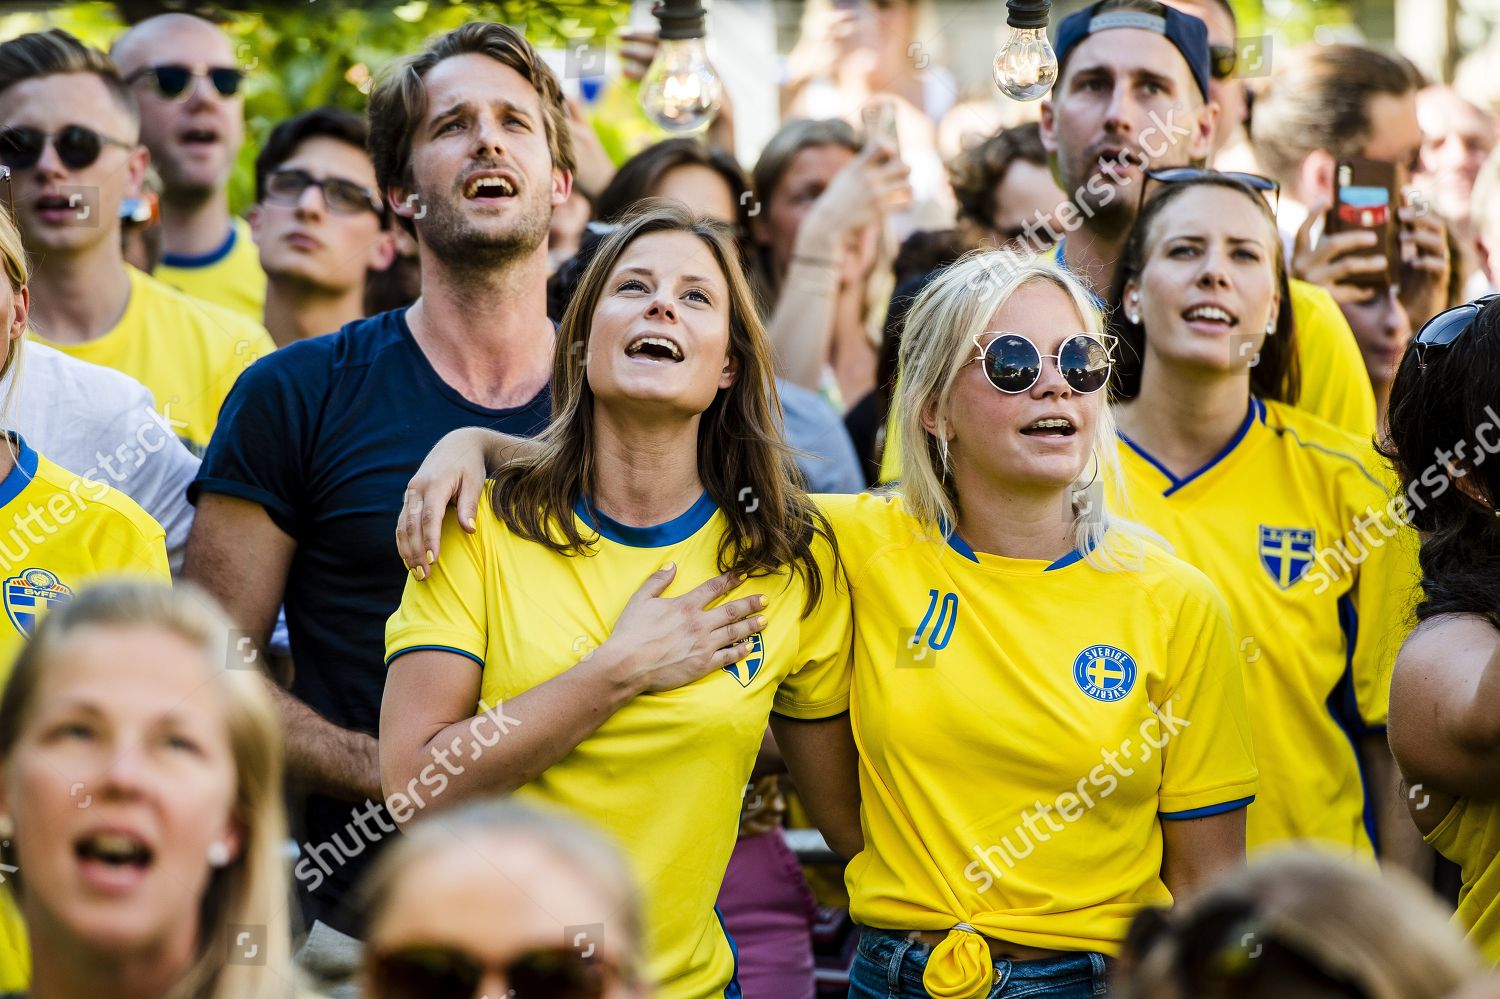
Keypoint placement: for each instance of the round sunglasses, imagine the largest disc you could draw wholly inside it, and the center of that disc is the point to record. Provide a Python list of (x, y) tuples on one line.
[(343, 197), (1013, 364), (21, 147), (174, 82), (447, 973)]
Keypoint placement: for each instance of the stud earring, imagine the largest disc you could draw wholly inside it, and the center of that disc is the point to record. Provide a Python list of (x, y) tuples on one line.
[(218, 854)]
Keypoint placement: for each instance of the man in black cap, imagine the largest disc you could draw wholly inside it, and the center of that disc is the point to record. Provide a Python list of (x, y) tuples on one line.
[(1132, 95)]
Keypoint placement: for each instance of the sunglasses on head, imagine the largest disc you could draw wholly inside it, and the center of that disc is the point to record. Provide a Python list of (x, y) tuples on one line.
[(21, 147), (1013, 364), (1221, 61), (175, 82), (1268, 188), (1439, 332), (446, 973), (343, 197)]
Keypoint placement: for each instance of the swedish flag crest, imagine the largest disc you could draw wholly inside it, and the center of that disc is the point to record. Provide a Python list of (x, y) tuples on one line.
[(1287, 553), (745, 670), (29, 594)]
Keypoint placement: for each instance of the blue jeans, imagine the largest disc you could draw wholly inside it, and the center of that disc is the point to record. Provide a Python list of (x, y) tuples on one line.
[(889, 965)]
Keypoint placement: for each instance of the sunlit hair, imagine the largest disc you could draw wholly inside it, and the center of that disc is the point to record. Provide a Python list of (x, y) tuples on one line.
[(498, 825), (740, 444), (1319, 924), (1276, 375), (935, 348), (252, 889), (13, 253)]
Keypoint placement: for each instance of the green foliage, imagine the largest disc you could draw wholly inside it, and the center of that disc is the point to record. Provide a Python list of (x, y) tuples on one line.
[(301, 55)]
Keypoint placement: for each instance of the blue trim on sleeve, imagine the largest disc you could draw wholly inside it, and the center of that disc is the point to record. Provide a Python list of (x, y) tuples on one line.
[(732, 990), (434, 648), (1256, 413), (1344, 707), (20, 476), (679, 528), (1206, 810), (185, 262)]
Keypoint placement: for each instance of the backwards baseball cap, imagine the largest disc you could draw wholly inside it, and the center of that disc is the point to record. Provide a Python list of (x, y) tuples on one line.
[(1186, 32)]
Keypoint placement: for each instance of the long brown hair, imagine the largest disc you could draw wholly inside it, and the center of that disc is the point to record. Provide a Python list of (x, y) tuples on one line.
[(744, 463), (1277, 375)]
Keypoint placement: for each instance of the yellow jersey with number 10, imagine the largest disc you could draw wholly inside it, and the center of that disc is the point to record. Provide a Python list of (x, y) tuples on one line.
[(1026, 728), (665, 776), (1292, 525)]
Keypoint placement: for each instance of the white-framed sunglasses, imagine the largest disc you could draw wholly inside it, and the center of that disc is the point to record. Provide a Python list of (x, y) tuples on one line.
[(1013, 364)]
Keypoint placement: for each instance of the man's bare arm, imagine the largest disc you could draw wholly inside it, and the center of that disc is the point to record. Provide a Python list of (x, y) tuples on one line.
[(238, 554)]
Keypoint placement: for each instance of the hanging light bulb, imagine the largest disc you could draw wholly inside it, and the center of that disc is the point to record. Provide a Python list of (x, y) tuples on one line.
[(1026, 66), (681, 91)]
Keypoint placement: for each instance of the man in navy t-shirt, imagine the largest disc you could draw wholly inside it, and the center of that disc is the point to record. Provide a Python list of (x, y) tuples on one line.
[(304, 478)]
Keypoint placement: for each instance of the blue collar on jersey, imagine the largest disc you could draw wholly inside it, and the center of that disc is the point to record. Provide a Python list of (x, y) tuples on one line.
[(1256, 414), (961, 546), (186, 262), (679, 528), (20, 477)]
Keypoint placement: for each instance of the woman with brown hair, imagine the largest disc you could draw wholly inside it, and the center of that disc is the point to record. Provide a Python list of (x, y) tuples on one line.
[(637, 705), (140, 803)]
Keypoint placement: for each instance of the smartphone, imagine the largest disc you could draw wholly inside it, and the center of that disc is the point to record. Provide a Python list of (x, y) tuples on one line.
[(1366, 195), (879, 118)]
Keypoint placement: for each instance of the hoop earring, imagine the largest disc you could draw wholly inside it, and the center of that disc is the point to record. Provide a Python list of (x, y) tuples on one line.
[(1093, 478)]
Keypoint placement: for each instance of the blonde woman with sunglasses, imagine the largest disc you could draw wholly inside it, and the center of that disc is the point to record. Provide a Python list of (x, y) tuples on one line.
[(1048, 708)]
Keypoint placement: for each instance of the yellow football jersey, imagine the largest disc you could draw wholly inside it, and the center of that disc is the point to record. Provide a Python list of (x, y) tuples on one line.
[(187, 352), (1469, 835), (60, 531), (1334, 383), (230, 276), (1024, 728), (1321, 581), (1335, 386), (666, 774)]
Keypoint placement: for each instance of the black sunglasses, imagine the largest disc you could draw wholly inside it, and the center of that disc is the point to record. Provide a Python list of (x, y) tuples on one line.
[(1182, 175), (446, 973), (1221, 61), (1439, 332), (1013, 364), (21, 146), (175, 82), (343, 197)]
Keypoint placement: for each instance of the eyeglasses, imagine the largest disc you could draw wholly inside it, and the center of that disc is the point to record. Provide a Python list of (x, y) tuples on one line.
[(176, 82), (21, 147), (10, 199), (1181, 175), (343, 197), (1221, 61), (1013, 364), (445, 973), (1439, 332)]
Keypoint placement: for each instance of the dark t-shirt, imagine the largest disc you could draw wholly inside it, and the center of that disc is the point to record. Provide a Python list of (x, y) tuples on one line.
[(325, 434)]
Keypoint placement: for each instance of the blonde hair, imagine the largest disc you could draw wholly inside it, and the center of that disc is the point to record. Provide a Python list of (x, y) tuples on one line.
[(251, 890), (1312, 918), (937, 344), (585, 851), (13, 254)]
